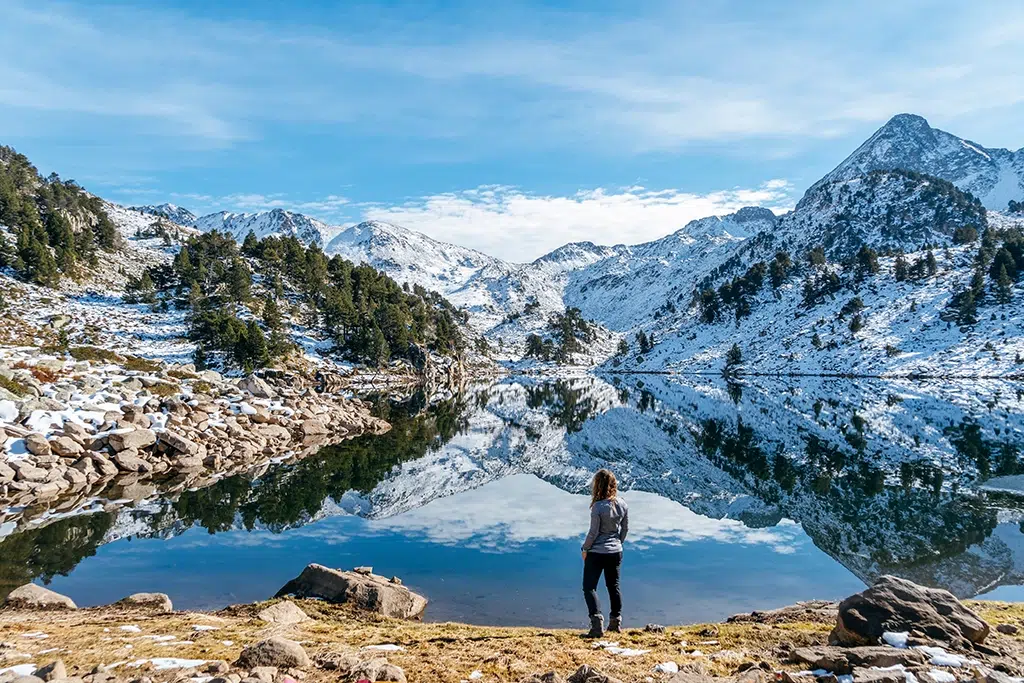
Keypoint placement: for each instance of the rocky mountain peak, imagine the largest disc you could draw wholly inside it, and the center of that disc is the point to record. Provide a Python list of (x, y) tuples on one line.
[(908, 142)]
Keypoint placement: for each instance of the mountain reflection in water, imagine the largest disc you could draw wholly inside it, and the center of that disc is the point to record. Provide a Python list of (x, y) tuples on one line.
[(743, 496)]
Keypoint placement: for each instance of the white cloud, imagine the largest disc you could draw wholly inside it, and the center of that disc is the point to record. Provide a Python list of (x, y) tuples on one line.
[(509, 223), (543, 512)]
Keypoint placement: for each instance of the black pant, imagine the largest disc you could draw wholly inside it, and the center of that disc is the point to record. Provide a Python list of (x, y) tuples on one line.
[(593, 566)]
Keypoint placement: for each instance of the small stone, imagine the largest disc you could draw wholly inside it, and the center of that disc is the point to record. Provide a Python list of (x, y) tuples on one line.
[(218, 667), (267, 674), (179, 443), (364, 570), (654, 628), (37, 444), (1008, 629), (53, 671)]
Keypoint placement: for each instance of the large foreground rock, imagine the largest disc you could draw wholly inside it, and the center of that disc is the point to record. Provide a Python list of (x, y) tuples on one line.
[(895, 604), (31, 596), (365, 591), (279, 652)]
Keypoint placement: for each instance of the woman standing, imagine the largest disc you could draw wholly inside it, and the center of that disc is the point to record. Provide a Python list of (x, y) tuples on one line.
[(602, 550)]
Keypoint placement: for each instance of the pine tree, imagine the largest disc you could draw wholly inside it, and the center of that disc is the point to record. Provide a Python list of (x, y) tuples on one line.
[(36, 260), (623, 348), (856, 323), (867, 262), (250, 246), (933, 266), (901, 270), (733, 361), (1004, 286)]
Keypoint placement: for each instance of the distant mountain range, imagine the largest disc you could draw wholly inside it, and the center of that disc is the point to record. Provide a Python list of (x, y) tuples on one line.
[(886, 195)]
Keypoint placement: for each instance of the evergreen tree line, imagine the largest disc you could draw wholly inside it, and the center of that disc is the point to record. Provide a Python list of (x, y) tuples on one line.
[(737, 294), (998, 265), (369, 316), (36, 211), (567, 333)]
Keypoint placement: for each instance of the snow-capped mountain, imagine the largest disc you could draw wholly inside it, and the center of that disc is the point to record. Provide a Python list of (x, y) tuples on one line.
[(995, 176), (277, 222), (907, 188), (171, 212)]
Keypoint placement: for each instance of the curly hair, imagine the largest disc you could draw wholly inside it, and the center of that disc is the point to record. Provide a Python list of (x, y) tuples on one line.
[(604, 487)]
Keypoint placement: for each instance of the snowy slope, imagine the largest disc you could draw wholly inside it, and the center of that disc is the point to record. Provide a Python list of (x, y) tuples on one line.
[(171, 212), (278, 222), (995, 176)]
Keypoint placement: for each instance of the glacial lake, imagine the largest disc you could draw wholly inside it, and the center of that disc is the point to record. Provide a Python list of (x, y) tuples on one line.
[(745, 496)]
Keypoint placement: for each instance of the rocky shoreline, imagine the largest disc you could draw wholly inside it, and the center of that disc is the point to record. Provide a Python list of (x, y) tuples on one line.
[(71, 426), (351, 626)]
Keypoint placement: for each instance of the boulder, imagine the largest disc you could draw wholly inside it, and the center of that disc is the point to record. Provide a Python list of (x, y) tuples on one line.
[(179, 443), (588, 674), (137, 439), (274, 651), (31, 596), (37, 444), (895, 604), (841, 661), (66, 447), (286, 612), (365, 591), (129, 461), (152, 601), (257, 387), (267, 674), (312, 427), (1008, 629), (77, 432)]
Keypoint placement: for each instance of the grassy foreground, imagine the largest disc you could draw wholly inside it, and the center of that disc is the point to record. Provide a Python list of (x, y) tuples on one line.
[(443, 652)]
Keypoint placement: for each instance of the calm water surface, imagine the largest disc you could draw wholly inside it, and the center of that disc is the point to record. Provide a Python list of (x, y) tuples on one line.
[(741, 497)]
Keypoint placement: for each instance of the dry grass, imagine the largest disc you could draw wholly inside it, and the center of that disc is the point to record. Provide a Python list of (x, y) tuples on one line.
[(445, 653)]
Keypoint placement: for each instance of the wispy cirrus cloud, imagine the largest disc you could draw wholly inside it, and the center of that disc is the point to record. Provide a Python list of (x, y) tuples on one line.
[(669, 75)]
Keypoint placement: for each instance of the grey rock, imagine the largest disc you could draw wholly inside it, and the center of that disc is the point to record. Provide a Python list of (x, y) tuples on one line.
[(1008, 629), (267, 674), (365, 591), (274, 651), (31, 596)]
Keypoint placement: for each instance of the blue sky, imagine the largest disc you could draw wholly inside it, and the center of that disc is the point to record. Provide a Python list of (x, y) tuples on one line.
[(511, 127)]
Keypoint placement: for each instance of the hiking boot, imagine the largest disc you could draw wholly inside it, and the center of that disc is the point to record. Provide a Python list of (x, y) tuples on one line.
[(596, 627), (615, 625)]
